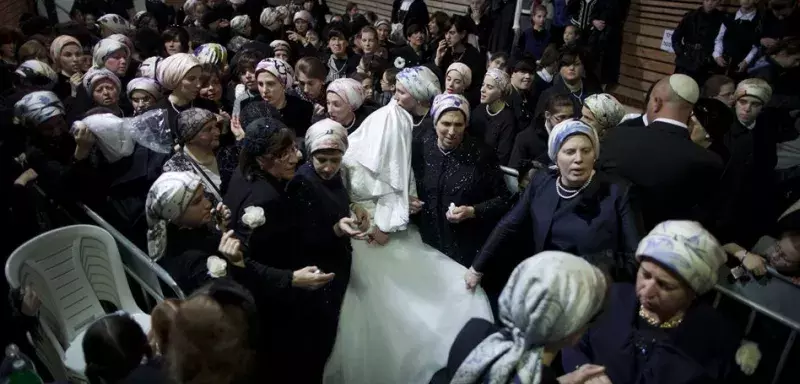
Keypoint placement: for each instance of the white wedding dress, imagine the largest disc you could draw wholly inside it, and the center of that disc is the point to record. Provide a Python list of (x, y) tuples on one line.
[(406, 301)]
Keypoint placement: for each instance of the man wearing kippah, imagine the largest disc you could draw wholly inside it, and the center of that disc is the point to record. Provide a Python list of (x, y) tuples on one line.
[(674, 178)]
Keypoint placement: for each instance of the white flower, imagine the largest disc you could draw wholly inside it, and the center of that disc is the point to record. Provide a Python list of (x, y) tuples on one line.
[(217, 267), (253, 217), (399, 62), (748, 356), (240, 91)]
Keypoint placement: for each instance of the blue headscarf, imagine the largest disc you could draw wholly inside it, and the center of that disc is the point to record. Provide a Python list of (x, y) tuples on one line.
[(565, 129)]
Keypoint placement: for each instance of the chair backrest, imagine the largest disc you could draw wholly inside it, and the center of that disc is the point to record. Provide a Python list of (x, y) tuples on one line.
[(72, 269)]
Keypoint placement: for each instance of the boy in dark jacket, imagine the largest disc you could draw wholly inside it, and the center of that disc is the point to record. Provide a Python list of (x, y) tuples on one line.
[(693, 41)]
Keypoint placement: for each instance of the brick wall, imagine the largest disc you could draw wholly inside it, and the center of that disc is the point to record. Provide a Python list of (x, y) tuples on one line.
[(11, 10)]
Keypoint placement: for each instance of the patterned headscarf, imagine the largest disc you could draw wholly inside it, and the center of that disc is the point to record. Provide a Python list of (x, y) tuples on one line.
[(420, 82), (149, 65), (172, 69), (565, 129), (240, 23), (270, 19), (350, 90), (145, 84), (755, 87), (280, 45), (105, 48), (58, 45), (94, 75), (35, 68), (212, 53), (501, 78), (37, 107), (447, 102), (463, 70), (606, 109), (167, 200), (548, 297), (191, 122), (326, 134), (114, 23), (687, 249), (278, 68)]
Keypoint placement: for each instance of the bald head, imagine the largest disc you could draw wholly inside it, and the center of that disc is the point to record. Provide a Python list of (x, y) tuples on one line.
[(673, 98)]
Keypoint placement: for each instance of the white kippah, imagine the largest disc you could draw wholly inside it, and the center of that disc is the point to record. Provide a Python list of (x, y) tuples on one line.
[(685, 87)]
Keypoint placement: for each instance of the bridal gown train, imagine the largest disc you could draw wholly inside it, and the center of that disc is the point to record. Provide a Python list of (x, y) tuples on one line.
[(406, 301)]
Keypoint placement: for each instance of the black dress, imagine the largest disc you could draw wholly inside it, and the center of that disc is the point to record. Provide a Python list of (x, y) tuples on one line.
[(530, 145), (497, 131), (296, 114), (468, 175), (320, 204), (523, 103)]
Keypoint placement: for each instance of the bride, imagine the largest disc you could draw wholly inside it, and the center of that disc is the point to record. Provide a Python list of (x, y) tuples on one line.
[(406, 301)]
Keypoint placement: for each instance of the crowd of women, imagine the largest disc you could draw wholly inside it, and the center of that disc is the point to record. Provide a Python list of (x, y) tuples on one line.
[(338, 211)]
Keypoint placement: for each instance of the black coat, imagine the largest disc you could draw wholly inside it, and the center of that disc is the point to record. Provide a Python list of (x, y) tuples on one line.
[(560, 88), (474, 332), (468, 175), (530, 145), (693, 40), (523, 103), (417, 14), (674, 177), (498, 131)]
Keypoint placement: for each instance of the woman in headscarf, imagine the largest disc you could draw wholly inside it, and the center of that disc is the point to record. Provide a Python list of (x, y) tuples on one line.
[(102, 89), (272, 25), (180, 73), (241, 26), (281, 50), (602, 112), (459, 183), (345, 99), (274, 78), (320, 199), (457, 78), (213, 53), (182, 239), (143, 93), (656, 330), (493, 121), (412, 334), (415, 89), (199, 137), (35, 73), (111, 24), (134, 60), (112, 55), (66, 52), (148, 67), (573, 208), (549, 301)]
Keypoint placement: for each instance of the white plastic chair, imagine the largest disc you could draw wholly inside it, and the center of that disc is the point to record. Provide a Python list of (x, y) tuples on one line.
[(72, 269)]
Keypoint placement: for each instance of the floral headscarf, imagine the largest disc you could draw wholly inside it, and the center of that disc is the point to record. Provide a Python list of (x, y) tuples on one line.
[(240, 23), (37, 107), (191, 122), (270, 18), (212, 53), (105, 48), (565, 129), (420, 82), (447, 102), (58, 45), (548, 297), (35, 68), (278, 68), (167, 200), (149, 66), (501, 78), (145, 84), (326, 134), (463, 70), (114, 23), (171, 70), (95, 75), (350, 90), (606, 109)]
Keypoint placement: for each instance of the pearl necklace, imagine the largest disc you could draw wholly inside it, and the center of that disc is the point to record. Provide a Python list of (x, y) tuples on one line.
[(416, 124), (567, 194), (351, 123), (191, 105), (489, 112)]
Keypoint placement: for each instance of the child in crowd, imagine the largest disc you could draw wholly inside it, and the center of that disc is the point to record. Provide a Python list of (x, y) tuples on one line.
[(693, 41), (498, 60), (367, 85), (535, 39), (719, 87), (388, 83), (572, 35), (736, 45)]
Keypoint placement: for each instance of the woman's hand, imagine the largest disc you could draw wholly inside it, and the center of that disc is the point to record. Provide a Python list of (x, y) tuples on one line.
[(84, 140), (378, 236), (414, 205), (754, 263), (460, 213), (347, 226), (231, 248), (30, 301), (310, 278), (472, 278), (586, 374), (26, 177), (222, 216), (362, 217), (440, 51)]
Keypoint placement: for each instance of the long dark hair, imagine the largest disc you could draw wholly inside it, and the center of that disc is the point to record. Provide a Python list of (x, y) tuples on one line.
[(113, 346)]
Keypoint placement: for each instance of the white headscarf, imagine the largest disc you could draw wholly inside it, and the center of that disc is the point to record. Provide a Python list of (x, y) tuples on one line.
[(37, 68), (37, 107), (687, 249), (754, 87), (326, 134), (548, 297), (94, 75), (240, 23), (270, 19), (105, 48), (607, 110), (114, 23), (171, 70), (145, 84), (304, 15), (149, 65), (167, 200), (350, 90), (420, 82)]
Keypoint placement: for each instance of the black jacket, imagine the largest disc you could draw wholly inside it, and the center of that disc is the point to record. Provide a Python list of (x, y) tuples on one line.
[(693, 40), (560, 88)]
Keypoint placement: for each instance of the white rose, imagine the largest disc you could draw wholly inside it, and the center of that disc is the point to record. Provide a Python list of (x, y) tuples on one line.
[(253, 217), (748, 356), (399, 62), (217, 267)]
